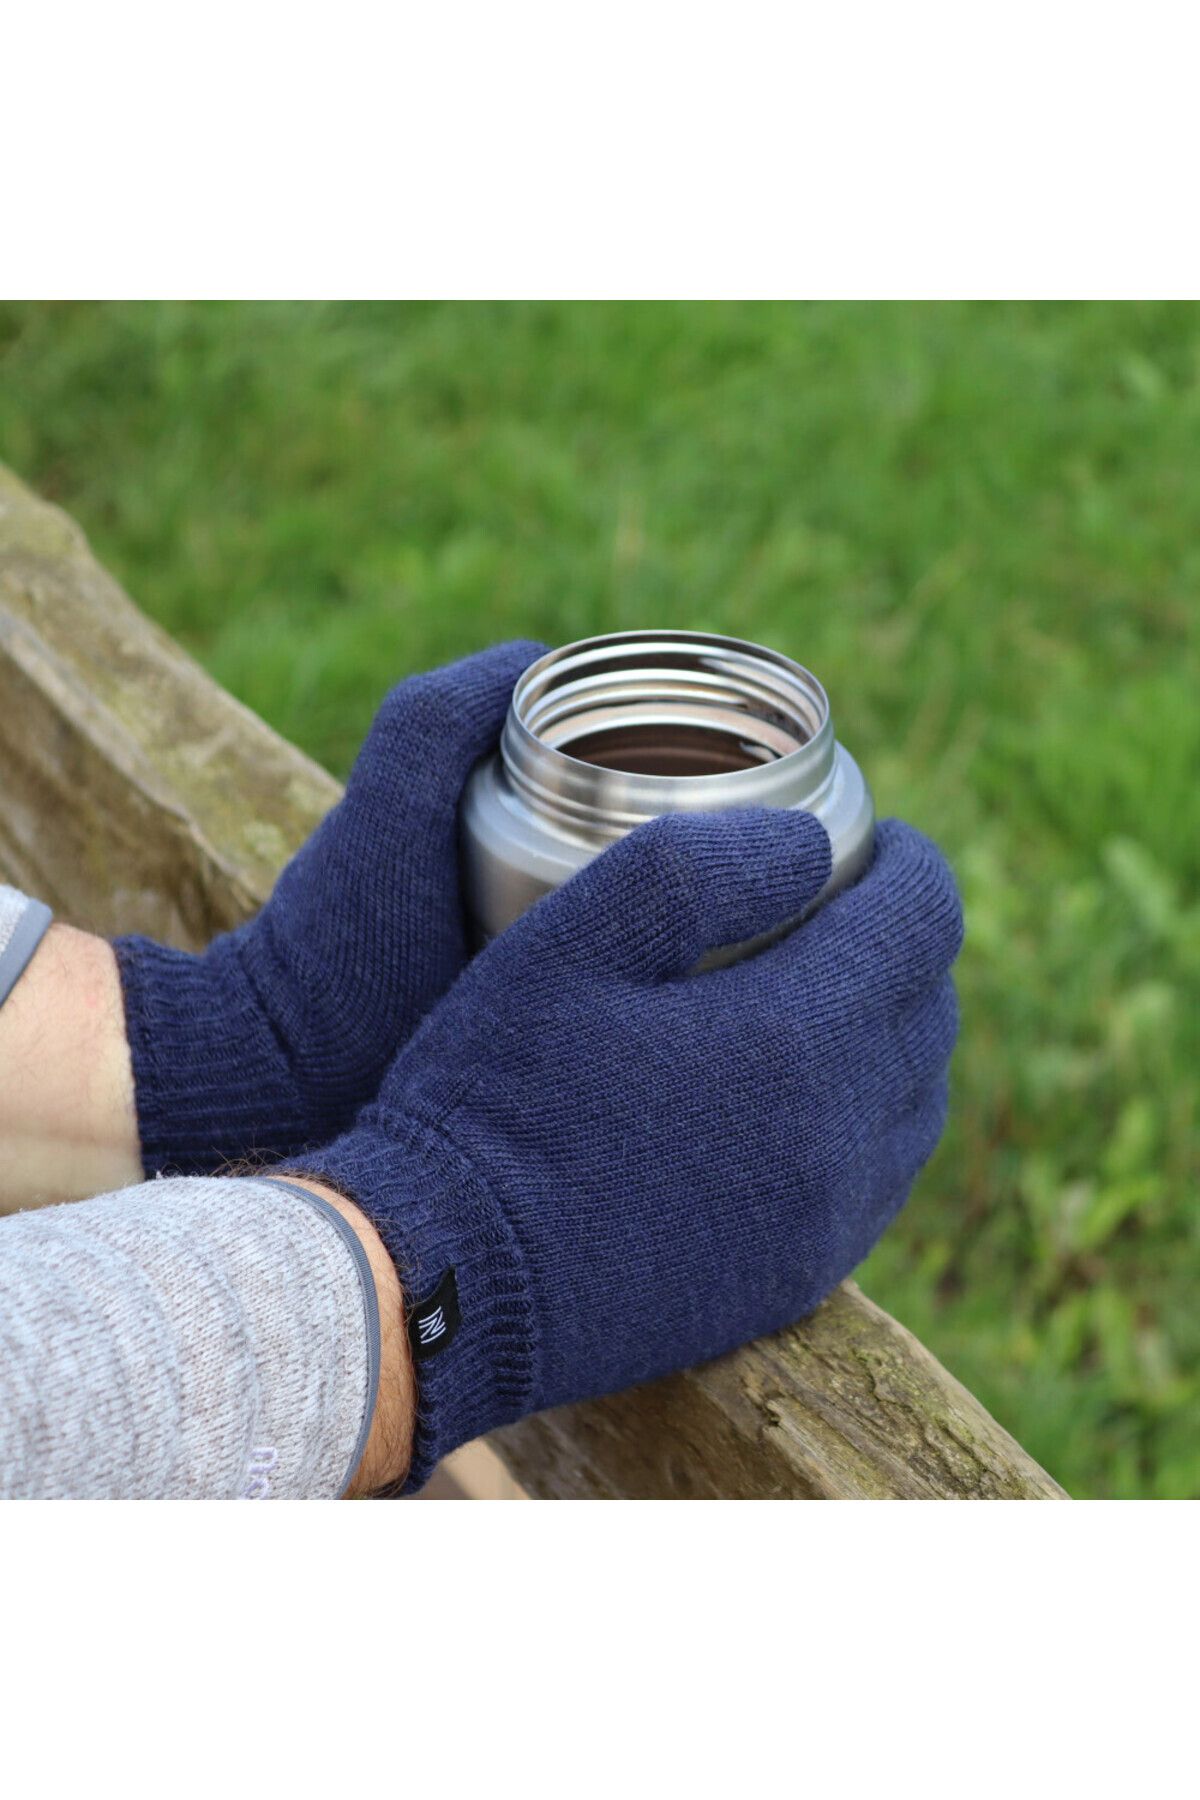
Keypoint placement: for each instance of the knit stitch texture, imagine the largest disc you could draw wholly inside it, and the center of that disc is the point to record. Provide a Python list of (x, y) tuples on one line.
[(632, 1166), (184, 1339), (274, 1036)]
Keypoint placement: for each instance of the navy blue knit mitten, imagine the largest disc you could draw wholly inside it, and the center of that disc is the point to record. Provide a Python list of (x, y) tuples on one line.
[(276, 1035), (593, 1166)]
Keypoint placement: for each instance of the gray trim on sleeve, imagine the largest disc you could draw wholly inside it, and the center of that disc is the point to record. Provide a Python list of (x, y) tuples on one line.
[(370, 1307), (32, 922), (195, 1337)]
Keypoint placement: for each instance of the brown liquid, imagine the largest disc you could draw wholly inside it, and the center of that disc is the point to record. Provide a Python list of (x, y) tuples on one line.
[(669, 750)]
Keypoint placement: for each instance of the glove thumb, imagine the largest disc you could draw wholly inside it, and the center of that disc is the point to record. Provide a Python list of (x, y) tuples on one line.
[(686, 884)]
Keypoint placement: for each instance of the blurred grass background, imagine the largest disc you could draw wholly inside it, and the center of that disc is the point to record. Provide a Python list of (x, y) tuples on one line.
[(980, 524)]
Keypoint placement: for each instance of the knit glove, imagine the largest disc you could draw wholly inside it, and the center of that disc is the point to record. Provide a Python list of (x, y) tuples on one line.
[(593, 1165), (276, 1035)]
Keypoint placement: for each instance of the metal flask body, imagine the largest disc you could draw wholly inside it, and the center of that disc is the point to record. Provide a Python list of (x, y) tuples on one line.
[(611, 731)]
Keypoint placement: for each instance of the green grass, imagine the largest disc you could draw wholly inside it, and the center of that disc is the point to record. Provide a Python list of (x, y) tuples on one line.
[(979, 524)]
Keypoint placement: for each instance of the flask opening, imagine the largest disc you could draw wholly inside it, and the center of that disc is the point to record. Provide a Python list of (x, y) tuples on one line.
[(666, 749), (668, 706)]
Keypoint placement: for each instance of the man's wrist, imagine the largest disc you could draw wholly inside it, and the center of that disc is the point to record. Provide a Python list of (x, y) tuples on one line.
[(471, 1331), (68, 1127), (385, 1460)]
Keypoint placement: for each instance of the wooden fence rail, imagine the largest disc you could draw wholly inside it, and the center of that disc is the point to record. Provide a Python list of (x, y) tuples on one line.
[(138, 795)]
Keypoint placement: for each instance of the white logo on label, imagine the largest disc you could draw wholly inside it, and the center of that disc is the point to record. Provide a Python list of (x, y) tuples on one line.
[(258, 1485), (432, 1327)]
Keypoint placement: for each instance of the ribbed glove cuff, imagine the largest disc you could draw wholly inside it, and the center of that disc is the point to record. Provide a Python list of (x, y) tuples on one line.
[(23, 925), (212, 1080), (466, 1288)]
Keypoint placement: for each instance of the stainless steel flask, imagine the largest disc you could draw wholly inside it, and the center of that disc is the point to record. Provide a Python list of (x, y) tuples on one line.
[(614, 730)]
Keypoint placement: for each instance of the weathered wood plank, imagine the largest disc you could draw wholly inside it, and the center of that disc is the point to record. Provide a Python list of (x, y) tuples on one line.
[(138, 795), (846, 1406)]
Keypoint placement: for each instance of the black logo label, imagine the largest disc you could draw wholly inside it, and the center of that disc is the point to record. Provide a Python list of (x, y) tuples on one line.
[(433, 1323)]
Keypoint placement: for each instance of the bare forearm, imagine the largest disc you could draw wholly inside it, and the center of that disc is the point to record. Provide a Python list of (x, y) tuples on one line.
[(68, 1124)]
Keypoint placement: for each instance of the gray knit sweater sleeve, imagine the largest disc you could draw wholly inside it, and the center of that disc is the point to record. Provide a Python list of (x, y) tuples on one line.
[(184, 1339), (23, 925)]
